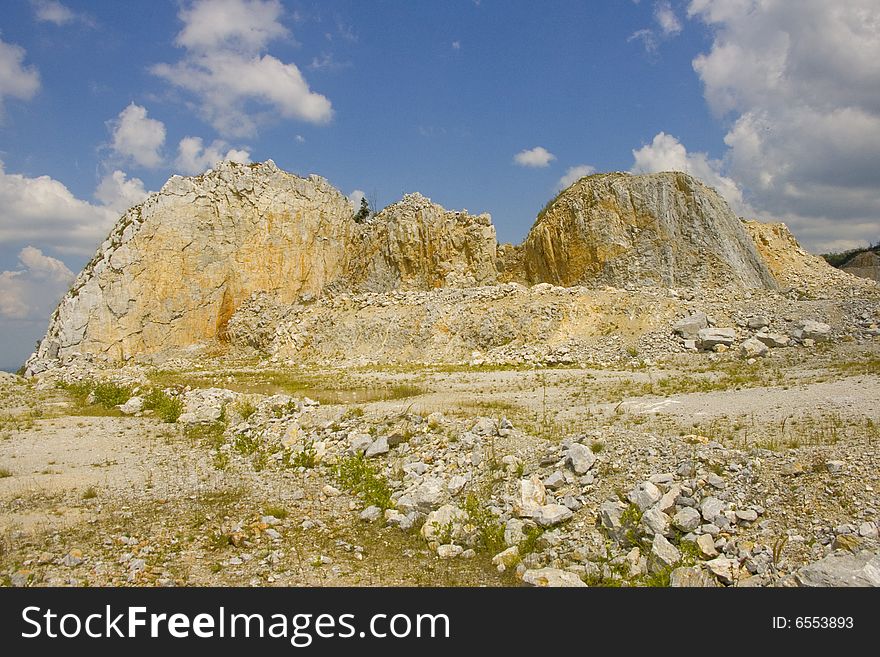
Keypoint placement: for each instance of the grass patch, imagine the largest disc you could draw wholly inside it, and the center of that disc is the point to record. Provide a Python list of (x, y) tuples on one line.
[(5, 472), (165, 406), (490, 530), (97, 397), (364, 480), (275, 511)]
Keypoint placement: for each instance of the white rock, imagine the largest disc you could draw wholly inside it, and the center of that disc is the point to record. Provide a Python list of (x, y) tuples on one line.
[(710, 337), (552, 577), (645, 495), (132, 406), (711, 507), (726, 570), (424, 496), (581, 458), (665, 553), (551, 514), (532, 496), (706, 546), (506, 559), (655, 521), (449, 551), (371, 514), (446, 523), (377, 447), (754, 348)]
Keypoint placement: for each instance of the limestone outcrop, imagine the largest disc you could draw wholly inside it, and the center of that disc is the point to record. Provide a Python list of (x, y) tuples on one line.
[(175, 268), (665, 229), (416, 244)]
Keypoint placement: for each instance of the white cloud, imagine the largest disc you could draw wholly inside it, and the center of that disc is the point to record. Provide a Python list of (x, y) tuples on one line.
[(137, 137), (119, 193), (327, 62), (535, 157), (666, 18), (666, 153), (573, 174), (52, 11), (647, 37), (241, 25), (226, 69), (16, 79), (668, 25), (193, 157), (456, 45), (802, 91), (355, 198), (32, 291), (42, 211)]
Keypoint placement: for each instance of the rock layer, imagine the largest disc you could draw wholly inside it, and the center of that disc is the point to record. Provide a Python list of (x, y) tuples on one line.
[(664, 229)]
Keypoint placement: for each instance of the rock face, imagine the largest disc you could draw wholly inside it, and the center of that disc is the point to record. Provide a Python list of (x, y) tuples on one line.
[(174, 269), (247, 253), (416, 244), (659, 229)]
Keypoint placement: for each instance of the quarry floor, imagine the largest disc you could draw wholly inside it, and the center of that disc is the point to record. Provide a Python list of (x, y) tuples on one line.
[(98, 499)]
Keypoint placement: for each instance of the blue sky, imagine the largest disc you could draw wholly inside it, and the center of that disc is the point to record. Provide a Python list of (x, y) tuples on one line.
[(489, 106)]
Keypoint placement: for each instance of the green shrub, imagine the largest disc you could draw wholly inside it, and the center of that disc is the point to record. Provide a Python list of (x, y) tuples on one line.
[(166, 407), (362, 479), (109, 394), (490, 530)]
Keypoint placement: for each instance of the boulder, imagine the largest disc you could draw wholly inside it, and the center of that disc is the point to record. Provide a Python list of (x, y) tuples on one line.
[(812, 330), (709, 338), (689, 327), (581, 458), (753, 348), (861, 569)]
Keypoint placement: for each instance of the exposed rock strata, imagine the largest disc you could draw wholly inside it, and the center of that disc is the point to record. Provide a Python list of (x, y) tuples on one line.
[(664, 229), (176, 269)]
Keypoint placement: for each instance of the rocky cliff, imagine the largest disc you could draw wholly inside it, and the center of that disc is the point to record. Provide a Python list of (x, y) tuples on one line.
[(659, 229), (416, 244), (175, 269)]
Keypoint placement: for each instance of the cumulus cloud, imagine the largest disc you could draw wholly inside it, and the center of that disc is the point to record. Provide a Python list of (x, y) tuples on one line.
[(137, 137), (355, 198), (242, 25), (666, 153), (226, 69), (538, 157), (194, 157), (43, 211), (119, 193), (16, 79), (573, 174), (801, 92), (33, 289)]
